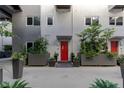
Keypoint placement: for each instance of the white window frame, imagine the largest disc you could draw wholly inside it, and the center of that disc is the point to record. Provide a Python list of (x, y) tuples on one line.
[(91, 17), (27, 20), (47, 20), (115, 18), (32, 21)]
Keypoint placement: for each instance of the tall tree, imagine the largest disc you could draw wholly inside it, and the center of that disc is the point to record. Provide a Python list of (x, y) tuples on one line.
[(4, 32)]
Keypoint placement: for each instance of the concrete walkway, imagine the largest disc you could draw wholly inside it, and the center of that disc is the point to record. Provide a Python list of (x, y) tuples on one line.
[(73, 77)]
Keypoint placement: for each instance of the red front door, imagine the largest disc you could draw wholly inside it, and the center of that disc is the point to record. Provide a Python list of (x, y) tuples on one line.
[(114, 46), (64, 51)]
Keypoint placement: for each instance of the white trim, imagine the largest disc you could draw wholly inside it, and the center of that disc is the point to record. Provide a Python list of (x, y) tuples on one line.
[(33, 21), (91, 19), (115, 19), (47, 20)]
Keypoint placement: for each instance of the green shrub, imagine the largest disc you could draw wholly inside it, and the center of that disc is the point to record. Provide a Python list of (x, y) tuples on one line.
[(94, 39), (56, 56), (120, 59), (16, 84), (72, 56), (76, 59), (100, 83), (8, 48), (111, 55), (19, 56), (40, 46)]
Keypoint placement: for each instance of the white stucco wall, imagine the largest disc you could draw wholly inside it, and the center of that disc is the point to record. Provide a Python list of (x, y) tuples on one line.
[(73, 22)]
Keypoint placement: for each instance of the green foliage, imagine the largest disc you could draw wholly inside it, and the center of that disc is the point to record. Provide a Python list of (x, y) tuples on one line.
[(16, 84), (72, 56), (8, 48), (111, 55), (52, 59), (4, 31), (100, 83), (19, 56), (94, 40), (120, 59), (76, 59), (40, 46), (56, 56)]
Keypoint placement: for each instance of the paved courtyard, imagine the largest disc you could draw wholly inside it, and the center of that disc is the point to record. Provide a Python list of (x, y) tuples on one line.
[(73, 77)]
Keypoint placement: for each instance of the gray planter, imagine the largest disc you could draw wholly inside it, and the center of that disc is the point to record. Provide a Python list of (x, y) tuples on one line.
[(1, 74), (122, 69), (37, 59), (17, 69), (101, 60)]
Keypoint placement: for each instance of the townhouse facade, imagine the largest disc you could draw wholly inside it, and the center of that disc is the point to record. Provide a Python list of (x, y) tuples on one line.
[(60, 24)]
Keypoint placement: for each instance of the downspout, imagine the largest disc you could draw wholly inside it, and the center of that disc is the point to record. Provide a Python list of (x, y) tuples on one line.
[(72, 29)]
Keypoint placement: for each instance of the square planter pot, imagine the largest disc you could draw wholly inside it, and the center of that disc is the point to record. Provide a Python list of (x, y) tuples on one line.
[(76, 64), (101, 60), (17, 69), (52, 63), (1, 74), (38, 59)]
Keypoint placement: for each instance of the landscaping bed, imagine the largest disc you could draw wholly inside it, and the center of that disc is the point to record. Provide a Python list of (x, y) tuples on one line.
[(101, 60), (37, 59)]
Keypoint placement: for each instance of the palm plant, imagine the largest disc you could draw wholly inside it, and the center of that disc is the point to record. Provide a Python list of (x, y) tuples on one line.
[(100, 83), (16, 84)]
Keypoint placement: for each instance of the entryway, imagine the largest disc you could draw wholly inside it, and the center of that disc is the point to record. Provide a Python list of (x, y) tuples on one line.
[(64, 51), (114, 46)]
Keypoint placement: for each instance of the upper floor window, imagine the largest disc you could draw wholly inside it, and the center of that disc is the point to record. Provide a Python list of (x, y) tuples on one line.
[(111, 20), (90, 20), (29, 21), (33, 20), (36, 20), (119, 21), (50, 21), (115, 20)]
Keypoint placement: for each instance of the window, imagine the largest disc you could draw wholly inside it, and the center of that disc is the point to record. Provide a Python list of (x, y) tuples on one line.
[(33, 21), (90, 20), (95, 19), (111, 20), (116, 21), (49, 21), (29, 45), (119, 21), (36, 21), (29, 21)]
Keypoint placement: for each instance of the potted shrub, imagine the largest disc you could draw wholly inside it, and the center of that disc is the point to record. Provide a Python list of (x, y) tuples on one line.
[(72, 56), (93, 47), (56, 56), (121, 62), (18, 59), (38, 54), (52, 61), (76, 61)]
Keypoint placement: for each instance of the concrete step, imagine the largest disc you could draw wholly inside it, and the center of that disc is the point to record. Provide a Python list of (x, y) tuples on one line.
[(64, 64)]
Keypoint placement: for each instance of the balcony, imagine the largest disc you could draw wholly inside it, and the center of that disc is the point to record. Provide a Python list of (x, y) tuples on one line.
[(116, 7), (63, 8), (6, 11)]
